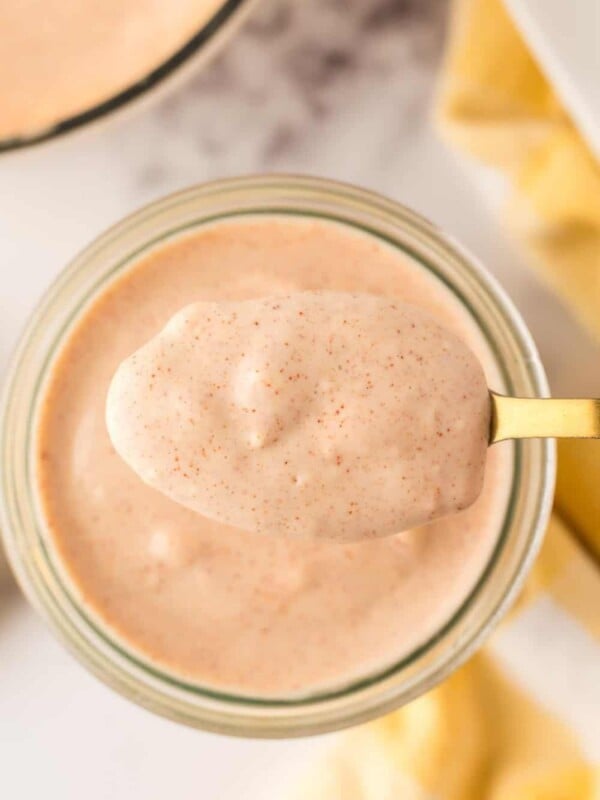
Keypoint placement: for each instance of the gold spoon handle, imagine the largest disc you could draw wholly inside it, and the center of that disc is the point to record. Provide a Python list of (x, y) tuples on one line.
[(528, 418)]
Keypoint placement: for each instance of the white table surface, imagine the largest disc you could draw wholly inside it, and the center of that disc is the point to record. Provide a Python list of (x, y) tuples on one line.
[(330, 88)]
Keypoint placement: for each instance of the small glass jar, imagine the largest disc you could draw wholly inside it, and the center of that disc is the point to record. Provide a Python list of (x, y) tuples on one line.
[(31, 554), (200, 47)]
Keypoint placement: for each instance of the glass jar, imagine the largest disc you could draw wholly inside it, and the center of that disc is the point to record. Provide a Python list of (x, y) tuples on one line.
[(199, 48), (31, 554)]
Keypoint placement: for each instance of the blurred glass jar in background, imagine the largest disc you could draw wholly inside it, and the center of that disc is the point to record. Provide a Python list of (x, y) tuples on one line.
[(65, 63)]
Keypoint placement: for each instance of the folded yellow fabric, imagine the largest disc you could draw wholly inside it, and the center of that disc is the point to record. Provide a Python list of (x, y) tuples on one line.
[(521, 721), (496, 105)]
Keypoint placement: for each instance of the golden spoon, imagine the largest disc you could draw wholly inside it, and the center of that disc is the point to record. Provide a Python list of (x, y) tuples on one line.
[(528, 418)]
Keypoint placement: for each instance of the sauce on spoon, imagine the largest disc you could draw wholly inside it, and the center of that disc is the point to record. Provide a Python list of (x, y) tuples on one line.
[(320, 414)]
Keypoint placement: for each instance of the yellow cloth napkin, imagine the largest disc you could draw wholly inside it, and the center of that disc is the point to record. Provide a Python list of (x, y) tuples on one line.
[(496, 105), (521, 721)]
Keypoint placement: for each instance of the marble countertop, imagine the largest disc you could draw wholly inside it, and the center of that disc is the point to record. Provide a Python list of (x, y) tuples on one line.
[(340, 88)]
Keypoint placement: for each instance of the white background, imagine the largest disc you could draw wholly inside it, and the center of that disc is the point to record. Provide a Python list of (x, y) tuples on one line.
[(337, 89)]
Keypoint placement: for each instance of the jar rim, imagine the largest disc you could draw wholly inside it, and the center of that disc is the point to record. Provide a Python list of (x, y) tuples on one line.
[(205, 708)]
